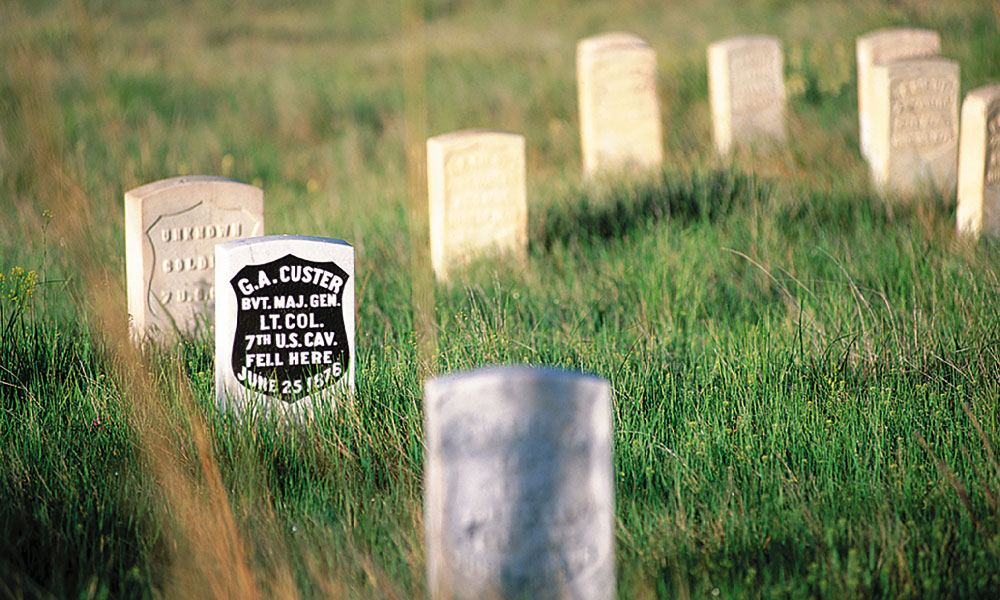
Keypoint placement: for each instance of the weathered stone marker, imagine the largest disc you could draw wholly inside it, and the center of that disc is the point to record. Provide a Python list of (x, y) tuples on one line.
[(518, 484), (619, 112), (284, 324), (171, 228), (914, 113), (879, 48), (979, 163), (477, 199), (746, 85)]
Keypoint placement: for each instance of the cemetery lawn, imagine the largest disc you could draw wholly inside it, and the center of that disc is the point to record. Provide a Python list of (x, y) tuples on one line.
[(805, 377)]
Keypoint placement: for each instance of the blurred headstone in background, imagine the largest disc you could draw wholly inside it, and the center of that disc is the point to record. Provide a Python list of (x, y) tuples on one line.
[(746, 86), (620, 128), (979, 163), (476, 196), (914, 117), (881, 47)]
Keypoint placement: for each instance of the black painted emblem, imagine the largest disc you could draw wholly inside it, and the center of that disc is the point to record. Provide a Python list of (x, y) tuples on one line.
[(291, 340)]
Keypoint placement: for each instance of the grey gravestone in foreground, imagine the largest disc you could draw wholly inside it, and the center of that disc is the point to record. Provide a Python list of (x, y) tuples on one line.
[(619, 109), (879, 48), (171, 228), (746, 85), (284, 323), (519, 491), (979, 163), (914, 118)]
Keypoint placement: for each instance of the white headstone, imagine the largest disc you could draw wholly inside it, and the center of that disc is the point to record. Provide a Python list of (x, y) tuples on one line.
[(284, 324), (914, 113), (979, 163), (619, 110), (882, 47), (476, 196), (519, 489), (746, 85), (171, 228)]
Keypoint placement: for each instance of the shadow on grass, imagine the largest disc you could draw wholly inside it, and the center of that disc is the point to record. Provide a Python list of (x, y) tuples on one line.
[(595, 213)]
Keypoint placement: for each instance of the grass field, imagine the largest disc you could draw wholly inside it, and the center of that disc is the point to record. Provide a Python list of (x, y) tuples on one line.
[(805, 377)]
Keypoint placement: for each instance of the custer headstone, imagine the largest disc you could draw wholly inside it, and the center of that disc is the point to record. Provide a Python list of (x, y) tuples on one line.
[(477, 198), (284, 324), (882, 47), (619, 111), (746, 86), (915, 125), (979, 163), (171, 228), (518, 484)]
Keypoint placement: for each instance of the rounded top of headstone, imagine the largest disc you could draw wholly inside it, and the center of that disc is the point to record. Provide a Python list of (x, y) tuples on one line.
[(280, 239), (512, 376), (897, 34), (170, 184), (984, 94), (465, 134), (606, 41), (741, 42)]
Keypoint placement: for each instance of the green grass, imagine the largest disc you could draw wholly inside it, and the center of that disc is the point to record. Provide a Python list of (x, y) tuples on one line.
[(805, 379)]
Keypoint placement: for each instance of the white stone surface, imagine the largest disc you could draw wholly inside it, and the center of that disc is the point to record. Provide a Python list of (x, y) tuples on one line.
[(979, 163), (284, 324), (519, 489), (914, 142), (746, 85), (476, 197), (620, 126), (171, 228), (882, 47)]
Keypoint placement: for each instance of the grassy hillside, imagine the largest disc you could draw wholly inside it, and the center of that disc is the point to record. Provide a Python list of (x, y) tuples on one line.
[(805, 377)]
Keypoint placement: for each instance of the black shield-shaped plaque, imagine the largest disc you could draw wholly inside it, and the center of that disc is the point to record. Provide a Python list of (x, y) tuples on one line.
[(291, 340)]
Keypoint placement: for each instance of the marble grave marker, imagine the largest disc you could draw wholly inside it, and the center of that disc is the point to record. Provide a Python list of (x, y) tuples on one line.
[(746, 85), (284, 324), (882, 47), (979, 163), (171, 228), (619, 110), (518, 484), (914, 125), (476, 195)]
